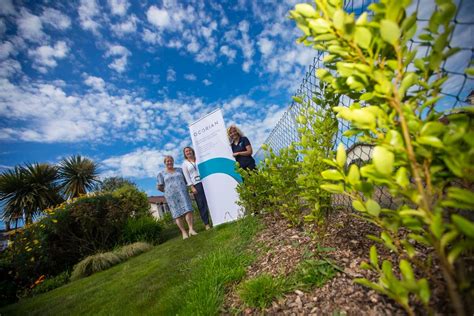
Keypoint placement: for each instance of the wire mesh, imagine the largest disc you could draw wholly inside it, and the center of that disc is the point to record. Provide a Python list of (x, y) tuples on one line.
[(456, 90)]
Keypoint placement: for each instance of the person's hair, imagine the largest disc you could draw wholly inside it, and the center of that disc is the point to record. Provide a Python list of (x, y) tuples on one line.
[(168, 157), (237, 129), (184, 154)]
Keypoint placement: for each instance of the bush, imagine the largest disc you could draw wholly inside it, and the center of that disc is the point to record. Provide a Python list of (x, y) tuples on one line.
[(8, 287), (132, 200), (51, 283), (142, 229), (93, 264), (132, 250)]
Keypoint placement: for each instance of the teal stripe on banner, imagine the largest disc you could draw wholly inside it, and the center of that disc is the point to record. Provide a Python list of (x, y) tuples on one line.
[(219, 165)]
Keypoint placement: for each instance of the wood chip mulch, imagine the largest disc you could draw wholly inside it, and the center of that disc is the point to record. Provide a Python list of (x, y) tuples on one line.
[(281, 248)]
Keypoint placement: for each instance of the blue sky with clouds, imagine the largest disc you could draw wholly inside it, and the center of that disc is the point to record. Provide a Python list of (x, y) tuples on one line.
[(119, 81)]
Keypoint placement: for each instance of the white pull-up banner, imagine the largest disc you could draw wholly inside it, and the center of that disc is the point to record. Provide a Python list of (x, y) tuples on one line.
[(216, 166)]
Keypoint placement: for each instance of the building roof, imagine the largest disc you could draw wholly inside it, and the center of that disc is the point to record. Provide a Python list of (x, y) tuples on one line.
[(156, 200)]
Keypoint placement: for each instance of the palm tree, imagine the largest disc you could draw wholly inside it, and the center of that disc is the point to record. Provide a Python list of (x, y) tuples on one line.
[(27, 190), (78, 175)]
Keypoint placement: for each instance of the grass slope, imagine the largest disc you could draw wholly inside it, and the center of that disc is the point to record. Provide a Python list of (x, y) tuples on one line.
[(185, 277)]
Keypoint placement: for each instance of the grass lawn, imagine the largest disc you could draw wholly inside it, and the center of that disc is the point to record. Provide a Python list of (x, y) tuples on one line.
[(186, 277)]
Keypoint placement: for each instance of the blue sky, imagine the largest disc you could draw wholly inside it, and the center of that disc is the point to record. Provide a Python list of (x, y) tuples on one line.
[(119, 81)]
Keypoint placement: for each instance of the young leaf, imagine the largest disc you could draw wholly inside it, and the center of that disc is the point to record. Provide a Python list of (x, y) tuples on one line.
[(332, 175), (407, 271), (389, 31), (305, 10), (341, 155), (374, 257), (362, 37), (464, 225), (383, 160), (373, 208)]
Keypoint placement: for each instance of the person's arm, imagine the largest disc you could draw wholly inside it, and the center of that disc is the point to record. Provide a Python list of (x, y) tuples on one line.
[(160, 185), (187, 176)]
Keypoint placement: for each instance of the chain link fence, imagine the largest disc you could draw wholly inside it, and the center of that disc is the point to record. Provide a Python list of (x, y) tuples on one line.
[(456, 90)]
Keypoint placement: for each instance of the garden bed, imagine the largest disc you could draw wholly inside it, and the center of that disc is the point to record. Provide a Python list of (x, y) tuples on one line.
[(281, 248)]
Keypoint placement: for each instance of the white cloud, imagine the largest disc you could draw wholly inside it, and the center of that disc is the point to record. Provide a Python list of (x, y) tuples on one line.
[(141, 163), (56, 19), (3, 27), (230, 53), (158, 17), (95, 83), (266, 46), (118, 7), (6, 7), (151, 37), (45, 56), (121, 53), (170, 75), (30, 27), (88, 15), (207, 82), (125, 27), (190, 77), (193, 47), (9, 67), (6, 49)]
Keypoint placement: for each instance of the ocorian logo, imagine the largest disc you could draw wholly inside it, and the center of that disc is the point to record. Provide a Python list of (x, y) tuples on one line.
[(205, 129)]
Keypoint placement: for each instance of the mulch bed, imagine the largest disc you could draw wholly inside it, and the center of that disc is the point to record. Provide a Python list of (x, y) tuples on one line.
[(281, 248)]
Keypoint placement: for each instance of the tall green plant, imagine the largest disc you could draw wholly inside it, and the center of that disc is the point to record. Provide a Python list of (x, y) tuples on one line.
[(417, 157), (78, 175), (317, 127), (26, 190)]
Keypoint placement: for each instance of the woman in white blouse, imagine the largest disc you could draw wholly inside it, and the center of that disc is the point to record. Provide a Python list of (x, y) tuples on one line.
[(193, 180)]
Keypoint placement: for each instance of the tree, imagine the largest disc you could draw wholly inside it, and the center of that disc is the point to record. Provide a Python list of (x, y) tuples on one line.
[(27, 190), (112, 183), (78, 175)]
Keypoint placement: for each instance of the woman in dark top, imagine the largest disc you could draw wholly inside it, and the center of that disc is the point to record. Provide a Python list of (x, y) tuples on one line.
[(241, 148)]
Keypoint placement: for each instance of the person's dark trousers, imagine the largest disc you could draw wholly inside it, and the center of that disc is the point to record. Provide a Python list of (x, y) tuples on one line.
[(202, 203)]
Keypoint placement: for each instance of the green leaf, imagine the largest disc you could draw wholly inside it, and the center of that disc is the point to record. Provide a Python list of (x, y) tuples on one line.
[(464, 225), (389, 31), (319, 26), (469, 71), (455, 251), (401, 177), (305, 10), (358, 205), (409, 80), (407, 271), (362, 37), (388, 242), (430, 141), (448, 238), (371, 285), (432, 129), (383, 160), (353, 176), (424, 291), (373, 208), (297, 99), (333, 188), (410, 250), (332, 175), (374, 257), (436, 225), (341, 155), (364, 265), (338, 19)]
